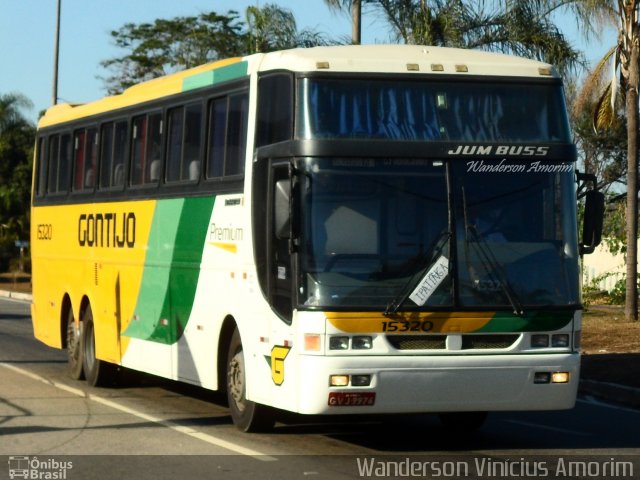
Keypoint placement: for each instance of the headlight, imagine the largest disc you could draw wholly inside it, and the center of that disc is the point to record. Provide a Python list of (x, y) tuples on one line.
[(560, 340), (362, 343), (339, 343), (539, 341)]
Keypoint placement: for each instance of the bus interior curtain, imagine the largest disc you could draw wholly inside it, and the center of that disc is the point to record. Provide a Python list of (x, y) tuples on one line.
[(391, 112)]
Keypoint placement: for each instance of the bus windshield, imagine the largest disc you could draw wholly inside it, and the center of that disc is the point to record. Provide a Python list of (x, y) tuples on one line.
[(433, 110), (374, 229)]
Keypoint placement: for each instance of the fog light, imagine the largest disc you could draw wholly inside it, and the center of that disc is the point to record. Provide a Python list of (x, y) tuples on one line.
[(362, 343), (539, 341), (560, 340), (560, 377), (312, 342), (339, 380), (542, 377), (338, 343), (360, 380)]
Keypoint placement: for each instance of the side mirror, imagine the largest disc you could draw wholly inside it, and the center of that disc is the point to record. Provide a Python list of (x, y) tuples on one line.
[(593, 218), (282, 209)]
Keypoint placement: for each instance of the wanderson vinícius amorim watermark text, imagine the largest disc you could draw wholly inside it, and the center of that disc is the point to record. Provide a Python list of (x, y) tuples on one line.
[(484, 467)]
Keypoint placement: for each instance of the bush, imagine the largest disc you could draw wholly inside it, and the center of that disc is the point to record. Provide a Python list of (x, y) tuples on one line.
[(593, 294), (10, 257)]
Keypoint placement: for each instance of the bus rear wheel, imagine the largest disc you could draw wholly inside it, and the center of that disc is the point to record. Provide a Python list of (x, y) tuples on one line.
[(97, 372), (75, 347), (248, 416)]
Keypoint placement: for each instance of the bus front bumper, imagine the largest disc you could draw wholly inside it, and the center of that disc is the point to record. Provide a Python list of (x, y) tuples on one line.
[(409, 384)]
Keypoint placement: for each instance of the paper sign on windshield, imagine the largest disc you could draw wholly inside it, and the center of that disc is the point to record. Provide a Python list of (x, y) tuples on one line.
[(430, 282)]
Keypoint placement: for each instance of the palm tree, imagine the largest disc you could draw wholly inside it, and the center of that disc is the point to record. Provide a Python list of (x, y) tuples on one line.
[(272, 27), (622, 59), (355, 6), (16, 141), (11, 106), (521, 27)]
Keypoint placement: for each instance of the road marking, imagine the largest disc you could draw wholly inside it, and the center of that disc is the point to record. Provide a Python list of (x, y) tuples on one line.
[(589, 400), (144, 416), (547, 427)]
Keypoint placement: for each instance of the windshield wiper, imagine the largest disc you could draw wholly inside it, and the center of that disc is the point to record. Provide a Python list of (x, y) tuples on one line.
[(426, 260), (489, 261)]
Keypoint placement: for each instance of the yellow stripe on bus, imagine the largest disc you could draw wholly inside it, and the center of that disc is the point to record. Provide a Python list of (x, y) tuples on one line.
[(409, 323)]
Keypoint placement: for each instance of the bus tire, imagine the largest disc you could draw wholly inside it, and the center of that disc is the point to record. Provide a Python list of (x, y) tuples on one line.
[(463, 422), (247, 416), (75, 347), (96, 372)]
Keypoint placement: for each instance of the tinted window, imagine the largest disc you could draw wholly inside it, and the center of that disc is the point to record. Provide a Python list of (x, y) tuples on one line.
[(59, 163), (275, 109), (40, 168), (227, 135), (85, 159), (146, 149), (113, 147), (183, 159)]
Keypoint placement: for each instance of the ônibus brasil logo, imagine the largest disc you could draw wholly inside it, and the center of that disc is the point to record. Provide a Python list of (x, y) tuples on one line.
[(34, 468)]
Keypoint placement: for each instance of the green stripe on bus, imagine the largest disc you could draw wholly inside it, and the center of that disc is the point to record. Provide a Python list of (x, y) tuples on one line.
[(529, 322), (172, 267), (212, 77)]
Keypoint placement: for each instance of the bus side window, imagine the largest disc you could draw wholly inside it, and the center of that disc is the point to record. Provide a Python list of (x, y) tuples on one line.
[(41, 177), (236, 134), (79, 161), (192, 143), (228, 117), (52, 181), (64, 166), (275, 109), (59, 163), (217, 134), (138, 148), (183, 156), (119, 154), (91, 158), (146, 149), (174, 144), (106, 155), (154, 149)]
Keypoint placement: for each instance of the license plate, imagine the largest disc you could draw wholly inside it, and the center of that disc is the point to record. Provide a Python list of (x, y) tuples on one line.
[(352, 399)]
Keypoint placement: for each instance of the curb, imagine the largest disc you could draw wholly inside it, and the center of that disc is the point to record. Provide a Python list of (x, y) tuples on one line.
[(27, 297), (611, 392)]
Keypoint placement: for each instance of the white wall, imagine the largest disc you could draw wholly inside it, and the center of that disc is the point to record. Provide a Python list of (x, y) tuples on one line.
[(600, 263)]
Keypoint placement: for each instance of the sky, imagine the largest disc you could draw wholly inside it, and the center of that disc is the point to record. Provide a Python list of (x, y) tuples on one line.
[(27, 31)]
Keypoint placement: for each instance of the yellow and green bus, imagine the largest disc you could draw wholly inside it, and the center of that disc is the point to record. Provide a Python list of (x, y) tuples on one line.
[(332, 230)]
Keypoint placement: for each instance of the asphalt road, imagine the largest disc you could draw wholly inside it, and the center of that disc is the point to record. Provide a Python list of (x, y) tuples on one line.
[(152, 428)]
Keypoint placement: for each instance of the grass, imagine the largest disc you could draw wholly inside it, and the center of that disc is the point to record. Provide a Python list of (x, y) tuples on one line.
[(605, 330), (15, 282)]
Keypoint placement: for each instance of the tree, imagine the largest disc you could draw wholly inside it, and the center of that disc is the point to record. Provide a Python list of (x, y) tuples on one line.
[(165, 46), (16, 147), (616, 96), (355, 6), (521, 27), (273, 28)]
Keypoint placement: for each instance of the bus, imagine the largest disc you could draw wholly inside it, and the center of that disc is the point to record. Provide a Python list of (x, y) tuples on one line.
[(331, 230)]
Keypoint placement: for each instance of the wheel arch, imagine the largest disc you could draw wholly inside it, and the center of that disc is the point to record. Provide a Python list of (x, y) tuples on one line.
[(229, 325), (65, 307)]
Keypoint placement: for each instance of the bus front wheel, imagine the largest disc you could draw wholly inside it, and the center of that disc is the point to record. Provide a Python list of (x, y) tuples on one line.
[(75, 347), (248, 416)]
